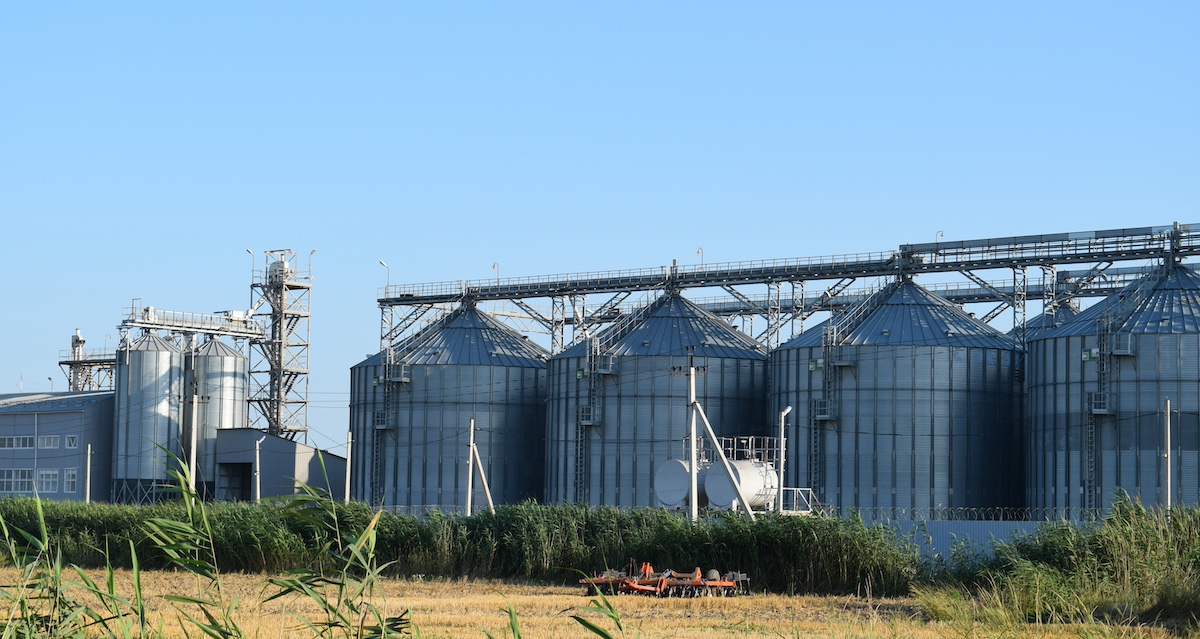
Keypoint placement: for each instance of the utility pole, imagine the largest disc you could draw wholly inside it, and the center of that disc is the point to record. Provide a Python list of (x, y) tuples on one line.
[(349, 445), (693, 461), (87, 477), (782, 451), (257, 474), (192, 446), (1167, 454), (470, 465), (693, 489)]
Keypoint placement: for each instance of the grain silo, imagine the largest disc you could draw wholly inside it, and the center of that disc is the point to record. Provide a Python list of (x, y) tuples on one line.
[(902, 403), (148, 386), (467, 366), (215, 378), (618, 403), (1096, 389), (366, 415)]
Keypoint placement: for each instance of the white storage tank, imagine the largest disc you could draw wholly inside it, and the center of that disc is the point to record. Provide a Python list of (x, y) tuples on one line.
[(758, 479), (673, 483)]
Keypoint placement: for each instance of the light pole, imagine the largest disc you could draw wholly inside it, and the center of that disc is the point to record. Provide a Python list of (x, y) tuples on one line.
[(496, 267), (937, 235), (700, 252), (389, 274), (51, 380)]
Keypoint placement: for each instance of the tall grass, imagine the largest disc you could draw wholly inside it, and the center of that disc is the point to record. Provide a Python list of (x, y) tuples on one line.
[(1133, 564), (782, 554)]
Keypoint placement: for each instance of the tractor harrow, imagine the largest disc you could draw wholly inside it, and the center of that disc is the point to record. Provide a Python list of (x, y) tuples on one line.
[(668, 583)]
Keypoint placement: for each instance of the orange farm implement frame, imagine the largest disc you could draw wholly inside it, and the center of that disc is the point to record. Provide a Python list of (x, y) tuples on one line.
[(668, 583)]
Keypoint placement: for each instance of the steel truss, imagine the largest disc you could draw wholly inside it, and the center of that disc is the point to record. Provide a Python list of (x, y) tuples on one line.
[(406, 307)]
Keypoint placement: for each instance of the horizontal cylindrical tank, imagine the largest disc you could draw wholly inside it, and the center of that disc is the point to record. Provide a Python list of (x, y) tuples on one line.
[(148, 384), (916, 406), (673, 483), (618, 406), (759, 481), (1097, 387)]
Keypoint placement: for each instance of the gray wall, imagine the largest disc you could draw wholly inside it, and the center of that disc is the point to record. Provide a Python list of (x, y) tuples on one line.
[(917, 427), (1129, 444), (86, 423), (283, 463)]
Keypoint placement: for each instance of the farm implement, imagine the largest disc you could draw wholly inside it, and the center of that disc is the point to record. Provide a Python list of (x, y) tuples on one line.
[(668, 583)]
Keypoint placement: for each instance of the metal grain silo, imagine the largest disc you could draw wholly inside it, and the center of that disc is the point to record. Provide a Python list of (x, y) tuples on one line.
[(467, 366), (903, 402), (1096, 389), (148, 386), (618, 403), (366, 414), (217, 375)]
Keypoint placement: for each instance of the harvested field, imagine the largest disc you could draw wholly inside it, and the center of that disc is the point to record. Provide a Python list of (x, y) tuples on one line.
[(466, 608)]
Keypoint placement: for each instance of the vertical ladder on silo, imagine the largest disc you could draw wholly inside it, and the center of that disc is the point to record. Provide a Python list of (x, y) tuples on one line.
[(1101, 402), (824, 408), (377, 433), (586, 416)]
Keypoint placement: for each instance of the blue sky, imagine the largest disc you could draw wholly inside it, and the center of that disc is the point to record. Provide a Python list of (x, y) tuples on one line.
[(145, 146)]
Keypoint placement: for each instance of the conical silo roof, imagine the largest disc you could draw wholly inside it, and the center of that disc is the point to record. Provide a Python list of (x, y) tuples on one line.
[(1040, 323), (1171, 306), (152, 343), (470, 337), (671, 325), (371, 360), (217, 348), (912, 316)]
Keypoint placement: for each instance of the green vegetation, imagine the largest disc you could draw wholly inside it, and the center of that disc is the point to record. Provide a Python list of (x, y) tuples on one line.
[(1134, 565), (782, 554)]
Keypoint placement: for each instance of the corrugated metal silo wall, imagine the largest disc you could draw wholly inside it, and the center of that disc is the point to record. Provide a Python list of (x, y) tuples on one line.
[(644, 418), (918, 427), (366, 410), (1128, 444), (425, 455), (147, 387), (221, 376)]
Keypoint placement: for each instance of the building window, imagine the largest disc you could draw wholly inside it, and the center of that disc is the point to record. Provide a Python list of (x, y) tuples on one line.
[(380, 418), (16, 442), (47, 481), (48, 441), (72, 441), (16, 480), (70, 479)]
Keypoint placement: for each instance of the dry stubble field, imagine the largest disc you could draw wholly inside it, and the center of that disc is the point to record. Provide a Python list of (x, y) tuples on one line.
[(466, 608)]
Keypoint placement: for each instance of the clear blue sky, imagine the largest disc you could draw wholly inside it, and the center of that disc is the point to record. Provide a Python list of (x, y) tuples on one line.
[(145, 146)]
